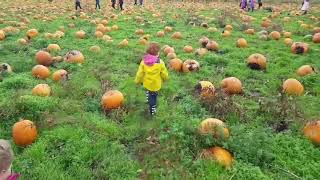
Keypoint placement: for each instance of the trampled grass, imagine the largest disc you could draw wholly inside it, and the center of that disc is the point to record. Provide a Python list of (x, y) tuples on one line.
[(77, 140)]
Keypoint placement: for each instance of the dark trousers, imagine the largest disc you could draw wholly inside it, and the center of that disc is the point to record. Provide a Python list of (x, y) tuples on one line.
[(78, 5), (152, 101), (121, 4), (260, 5), (98, 4), (136, 2), (113, 4)]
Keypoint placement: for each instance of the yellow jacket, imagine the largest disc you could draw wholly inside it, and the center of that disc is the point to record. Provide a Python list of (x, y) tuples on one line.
[(152, 76)]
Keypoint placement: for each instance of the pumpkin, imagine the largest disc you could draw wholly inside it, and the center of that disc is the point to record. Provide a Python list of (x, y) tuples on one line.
[(24, 133), (305, 70), (80, 34), (57, 59), (143, 41), (312, 131), (257, 61), (188, 49), (212, 46), (168, 50), (60, 75), (168, 29), (176, 35), (316, 38), (228, 28), (205, 90), (190, 66), (112, 99), (5, 68), (32, 33), (104, 22), (204, 41), (288, 41), (212, 29), (201, 52), (220, 155), (250, 31), (299, 48), (266, 23), (287, 34), (74, 56), (160, 34), (43, 58), (40, 71), (214, 127), (175, 64), (139, 32), (2, 35), (242, 43), (275, 35), (316, 30), (98, 34), (171, 55), (95, 49), (115, 28), (292, 87), (231, 85), (123, 43), (226, 33), (22, 41), (41, 90), (53, 47)]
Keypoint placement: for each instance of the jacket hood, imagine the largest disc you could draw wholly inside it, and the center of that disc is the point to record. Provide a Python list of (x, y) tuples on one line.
[(150, 60)]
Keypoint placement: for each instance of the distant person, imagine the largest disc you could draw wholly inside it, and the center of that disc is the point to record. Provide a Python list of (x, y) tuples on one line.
[(243, 4), (260, 3), (152, 72), (305, 6), (121, 4), (98, 4), (78, 4), (113, 4), (140, 2), (251, 5), (6, 158)]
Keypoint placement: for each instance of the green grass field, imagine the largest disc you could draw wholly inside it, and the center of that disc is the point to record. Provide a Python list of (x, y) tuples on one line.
[(77, 140)]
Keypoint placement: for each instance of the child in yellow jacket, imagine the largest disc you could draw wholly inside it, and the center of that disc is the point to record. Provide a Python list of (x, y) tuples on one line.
[(152, 72)]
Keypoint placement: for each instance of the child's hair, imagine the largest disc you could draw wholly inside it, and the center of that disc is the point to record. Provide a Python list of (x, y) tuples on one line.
[(6, 156), (153, 49)]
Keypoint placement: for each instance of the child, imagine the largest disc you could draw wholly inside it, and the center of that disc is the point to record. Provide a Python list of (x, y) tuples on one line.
[(152, 72), (251, 5), (305, 6), (6, 158), (260, 3), (98, 4), (243, 4), (78, 4)]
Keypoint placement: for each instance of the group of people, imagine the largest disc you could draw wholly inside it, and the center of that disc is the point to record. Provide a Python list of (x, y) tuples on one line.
[(249, 5), (113, 4)]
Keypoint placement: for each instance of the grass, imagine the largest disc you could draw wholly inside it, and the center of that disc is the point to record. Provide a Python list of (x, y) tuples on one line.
[(78, 141)]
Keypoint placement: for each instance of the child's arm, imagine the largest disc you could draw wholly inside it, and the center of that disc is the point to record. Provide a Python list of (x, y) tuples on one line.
[(140, 74), (164, 72)]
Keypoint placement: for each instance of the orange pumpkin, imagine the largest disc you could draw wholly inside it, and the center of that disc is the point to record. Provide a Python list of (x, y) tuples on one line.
[(287, 34), (80, 34), (204, 41), (43, 58), (112, 99), (167, 29), (201, 52), (190, 66), (312, 131), (168, 50), (215, 127), (171, 55), (228, 28), (5, 68), (242, 43), (41, 90), (160, 34), (212, 46), (305, 70), (316, 30), (53, 47), (226, 33), (2, 35), (60, 75), (212, 29), (123, 43), (176, 35), (32, 33), (22, 41), (316, 38), (250, 31), (257, 61), (221, 155), (275, 35), (188, 49), (266, 23), (95, 49), (231, 85), (40, 71), (299, 48), (206, 90), (98, 34), (74, 56), (143, 41), (288, 41), (139, 32), (115, 28), (175, 64), (293, 87), (24, 133)]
